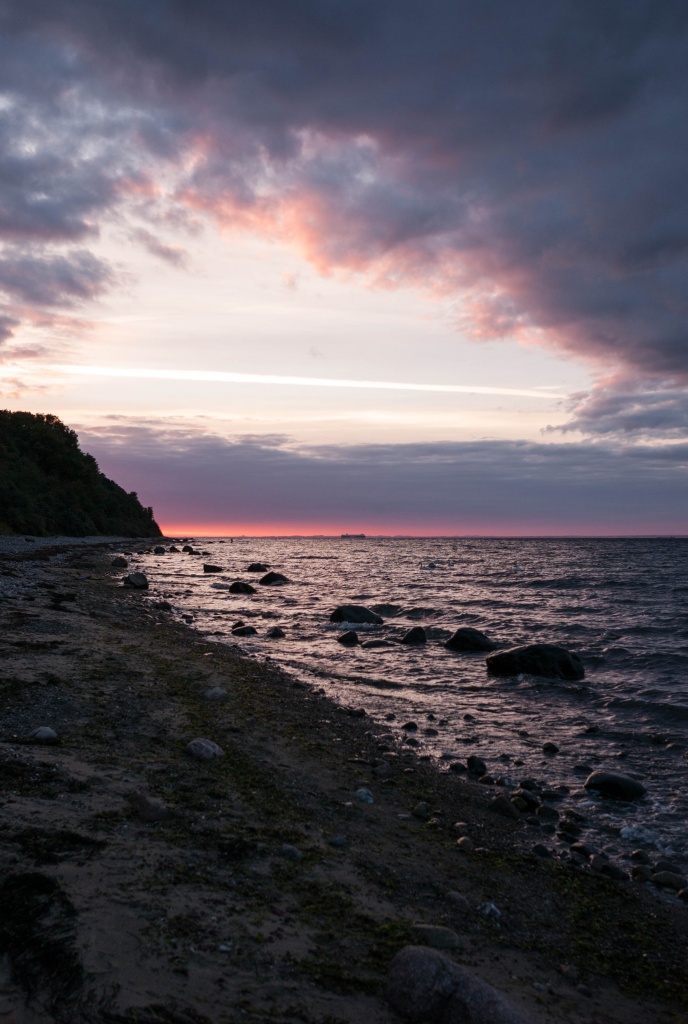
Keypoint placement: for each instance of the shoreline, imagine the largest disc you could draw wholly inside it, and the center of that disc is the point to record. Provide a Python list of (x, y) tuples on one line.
[(256, 886)]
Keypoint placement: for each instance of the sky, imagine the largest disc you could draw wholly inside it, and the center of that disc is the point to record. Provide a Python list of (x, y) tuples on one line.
[(382, 266)]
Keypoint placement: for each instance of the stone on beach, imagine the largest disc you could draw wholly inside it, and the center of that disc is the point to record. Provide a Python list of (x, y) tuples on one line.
[(204, 750), (349, 639), (136, 580), (355, 613), (44, 735), (537, 660), (615, 785), (468, 639), (415, 635), (426, 985), (272, 578)]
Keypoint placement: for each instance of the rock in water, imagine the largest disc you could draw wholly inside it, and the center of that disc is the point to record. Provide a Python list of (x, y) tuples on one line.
[(272, 578), (159, 550), (244, 631), (355, 613), (204, 750), (136, 580), (257, 567), (378, 644), (349, 639), (425, 985), (212, 568), (119, 563), (416, 635), (238, 587), (276, 633), (616, 785), (467, 639), (537, 660)]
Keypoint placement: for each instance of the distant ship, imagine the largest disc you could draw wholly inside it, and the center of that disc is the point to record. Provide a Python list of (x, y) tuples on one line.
[(353, 536)]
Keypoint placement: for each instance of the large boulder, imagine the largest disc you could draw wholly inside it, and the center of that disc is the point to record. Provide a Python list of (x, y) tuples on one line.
[(239, 587), (537, 660), (426, 985), (616, 785), (272, 579), (468, 639), (355, 613)]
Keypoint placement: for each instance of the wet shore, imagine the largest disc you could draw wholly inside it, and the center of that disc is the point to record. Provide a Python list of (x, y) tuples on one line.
[(141, 882)]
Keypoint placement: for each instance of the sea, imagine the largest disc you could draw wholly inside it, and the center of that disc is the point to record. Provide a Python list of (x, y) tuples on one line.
[(620, 604)]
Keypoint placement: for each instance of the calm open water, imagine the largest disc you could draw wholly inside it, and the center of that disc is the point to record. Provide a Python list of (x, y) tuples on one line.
[(622, 605)]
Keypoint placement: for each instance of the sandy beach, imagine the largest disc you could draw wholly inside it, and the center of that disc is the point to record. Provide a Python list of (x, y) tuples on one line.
[(141, 883)]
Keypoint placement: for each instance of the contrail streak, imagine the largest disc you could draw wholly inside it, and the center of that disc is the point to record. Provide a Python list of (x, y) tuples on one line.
[(221, 377)]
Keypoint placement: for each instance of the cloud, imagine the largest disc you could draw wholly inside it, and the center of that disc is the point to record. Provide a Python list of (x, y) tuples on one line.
[(175, 255), (191, 476), (55, 279), (527, 159), (628, 407)]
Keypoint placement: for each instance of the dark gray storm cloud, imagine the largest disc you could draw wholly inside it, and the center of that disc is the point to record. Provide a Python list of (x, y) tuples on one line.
[(440, 487), (529, 158)]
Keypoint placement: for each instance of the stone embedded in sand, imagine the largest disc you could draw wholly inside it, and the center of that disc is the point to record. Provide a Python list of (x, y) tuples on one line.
[(537, 660), (272, 579), (415, 635), (239, 587), (435, 935), (207, 567), (426, 985), (468, 639), (119, 563), (45, 735), (204, 750), (355, 613), (136, 580), (503, 805), (615, 785), (348, 639), (146, 809)]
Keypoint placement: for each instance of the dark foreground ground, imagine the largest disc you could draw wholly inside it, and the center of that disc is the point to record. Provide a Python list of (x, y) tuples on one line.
[(256, 887)]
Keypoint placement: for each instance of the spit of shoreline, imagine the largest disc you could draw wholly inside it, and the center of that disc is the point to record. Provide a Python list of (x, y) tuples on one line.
[(278, 880)]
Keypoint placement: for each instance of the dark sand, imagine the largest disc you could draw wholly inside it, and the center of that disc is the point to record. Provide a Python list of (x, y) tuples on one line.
[(236, 907)]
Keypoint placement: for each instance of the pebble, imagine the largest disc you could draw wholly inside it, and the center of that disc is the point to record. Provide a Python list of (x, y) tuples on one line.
[(364, 796), (45, 735), (466, 844), (290, 852), (204, 750), (436, 936)]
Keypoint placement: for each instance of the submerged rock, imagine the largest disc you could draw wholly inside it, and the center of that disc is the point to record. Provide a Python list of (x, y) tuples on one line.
[(537, 660), (244, 631), (272, 578), (615, 785), (378, 644), (159, 550), (211, 568), (276, 633), (416, 635), (355, 613), (426, 985), (239, 587), (136, 580), (349, 639), (257, 567), (468, 639)]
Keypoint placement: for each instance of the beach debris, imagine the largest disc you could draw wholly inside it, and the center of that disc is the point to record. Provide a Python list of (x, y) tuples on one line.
[(364, 796), (244, 631), (415, 635), (272, 579), (44, 735), (537, 660), (349, 638), (239, 587), (208, 567), (119, 562), (426, 985), (204, 750), (468, 639), (435, 935), (355, 613), (615, 785), (257, 567), (275, 633), (147, 809), (136, 580)]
